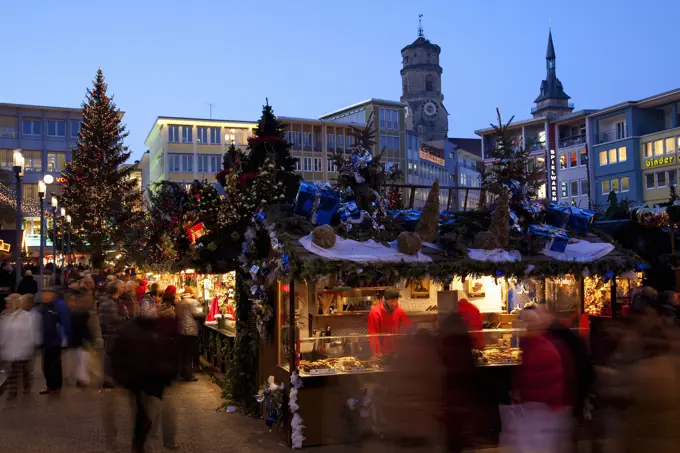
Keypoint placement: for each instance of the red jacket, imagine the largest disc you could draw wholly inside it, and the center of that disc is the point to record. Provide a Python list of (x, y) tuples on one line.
[(382, 321), (540, 378), (470, 314)]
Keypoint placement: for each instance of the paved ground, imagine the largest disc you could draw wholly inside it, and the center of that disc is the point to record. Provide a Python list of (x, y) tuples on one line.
[(73, 422)]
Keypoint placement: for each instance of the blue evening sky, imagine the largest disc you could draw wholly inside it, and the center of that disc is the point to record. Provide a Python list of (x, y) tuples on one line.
[(309, 57)]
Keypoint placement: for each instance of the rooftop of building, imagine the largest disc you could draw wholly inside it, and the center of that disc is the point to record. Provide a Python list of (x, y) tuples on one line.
[(421, 41), (648, 102), (42, 107), (366, 102), (470, 145), (516, 124)]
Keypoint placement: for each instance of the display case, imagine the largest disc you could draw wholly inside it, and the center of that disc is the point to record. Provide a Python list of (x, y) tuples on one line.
[(501, 347), (597, 296), (563, 299)]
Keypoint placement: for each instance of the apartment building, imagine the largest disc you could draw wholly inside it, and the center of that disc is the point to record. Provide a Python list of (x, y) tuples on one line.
[(389, 123), (185, 149), (467, 155), (635, 148), (45, 136)]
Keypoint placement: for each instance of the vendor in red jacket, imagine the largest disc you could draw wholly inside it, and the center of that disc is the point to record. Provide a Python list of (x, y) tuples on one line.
[(470, 314), (387, 317)]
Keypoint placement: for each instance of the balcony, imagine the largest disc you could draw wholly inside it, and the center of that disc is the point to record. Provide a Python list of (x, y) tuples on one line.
[(565, 142), (536, 146), (306, 147), (551, 105), (8, 132), (610, 135)]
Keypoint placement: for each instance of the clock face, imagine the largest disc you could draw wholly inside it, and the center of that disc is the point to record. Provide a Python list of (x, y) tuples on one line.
[(430, 108)]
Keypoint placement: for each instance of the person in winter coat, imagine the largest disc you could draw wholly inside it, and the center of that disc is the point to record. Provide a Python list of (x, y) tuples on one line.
[(111, 318), (128, 298), (387, 317), (80, 334), (20, 335), (150, 301), (189, 313), (56, 325), (28, 285), (471, 315), (144, 362)]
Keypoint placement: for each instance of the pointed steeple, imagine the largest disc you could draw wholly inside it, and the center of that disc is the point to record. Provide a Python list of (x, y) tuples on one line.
[(550, 54)]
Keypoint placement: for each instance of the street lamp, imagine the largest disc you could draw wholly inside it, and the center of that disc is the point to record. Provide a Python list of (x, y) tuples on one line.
[(55, 203), (42, 189), (68, 221), (63, 238), (18, 168)]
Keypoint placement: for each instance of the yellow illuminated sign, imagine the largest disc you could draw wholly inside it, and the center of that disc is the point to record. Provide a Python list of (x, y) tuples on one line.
[(431, 158), (660, 161)]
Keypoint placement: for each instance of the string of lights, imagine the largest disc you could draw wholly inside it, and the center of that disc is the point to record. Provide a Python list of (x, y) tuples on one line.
[(28, 208)]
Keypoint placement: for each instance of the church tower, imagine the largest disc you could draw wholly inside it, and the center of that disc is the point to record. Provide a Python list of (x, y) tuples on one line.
[(552, 100), (421, 78)]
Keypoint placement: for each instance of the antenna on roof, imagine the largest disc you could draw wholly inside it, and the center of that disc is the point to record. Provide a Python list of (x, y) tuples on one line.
[(210, 104), (420, 26)]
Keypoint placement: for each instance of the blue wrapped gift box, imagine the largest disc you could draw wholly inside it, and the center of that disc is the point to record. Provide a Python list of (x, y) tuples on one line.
[(304, 202), (557, 215), (327, 204), (580, 220), (558, 238)]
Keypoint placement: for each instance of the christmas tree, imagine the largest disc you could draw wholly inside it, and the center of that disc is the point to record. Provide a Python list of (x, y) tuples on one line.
[(509, 168), (268, 139), (99, 192), (428, 226), (394, 199)]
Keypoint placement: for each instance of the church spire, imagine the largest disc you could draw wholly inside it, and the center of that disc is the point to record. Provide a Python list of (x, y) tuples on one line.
[(552, 99), (550, 54), (421, 34)]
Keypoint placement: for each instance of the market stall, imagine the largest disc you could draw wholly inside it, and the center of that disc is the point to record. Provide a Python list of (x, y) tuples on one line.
[(314, 316)]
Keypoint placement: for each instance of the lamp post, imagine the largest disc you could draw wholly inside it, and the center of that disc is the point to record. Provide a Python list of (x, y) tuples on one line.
[(68, 221), (18, 168), (63, 238), (41, 194), (55, 203)]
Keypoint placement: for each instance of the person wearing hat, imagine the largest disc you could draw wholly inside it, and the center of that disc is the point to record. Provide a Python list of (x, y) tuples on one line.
[(189, 316), (387, 317), (28, 285)]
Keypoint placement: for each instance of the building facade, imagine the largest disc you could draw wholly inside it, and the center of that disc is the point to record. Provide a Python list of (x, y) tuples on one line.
[(45, 136), (467, 156), (572, 161), (389, 122), (634, 149)]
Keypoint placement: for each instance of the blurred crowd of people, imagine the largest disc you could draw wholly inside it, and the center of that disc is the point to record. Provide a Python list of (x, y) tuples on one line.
[(104, 330)]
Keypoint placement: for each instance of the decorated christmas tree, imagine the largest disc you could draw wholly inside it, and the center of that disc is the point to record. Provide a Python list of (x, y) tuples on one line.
[(99, 192), (394, 198), (509, 168), (268, 140)]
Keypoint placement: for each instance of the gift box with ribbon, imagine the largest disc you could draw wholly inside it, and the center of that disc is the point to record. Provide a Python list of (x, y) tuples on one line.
[(318, 201), (557, 215), (556, 238), (580, 220), (409, 217), (349, 211)]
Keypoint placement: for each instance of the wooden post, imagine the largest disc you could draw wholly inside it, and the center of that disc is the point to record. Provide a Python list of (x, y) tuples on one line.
[(467, 191), (582, 296), (613, 298), (292, 340), (412, 198)]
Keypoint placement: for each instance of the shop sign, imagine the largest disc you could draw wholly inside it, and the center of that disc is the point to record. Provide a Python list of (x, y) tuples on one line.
[(431, 158), (660, 161), (60, 180), (552, 165)]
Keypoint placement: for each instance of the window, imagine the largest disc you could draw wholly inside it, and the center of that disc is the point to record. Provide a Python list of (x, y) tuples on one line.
[(573, 159), (649, 180), (30, 192), (583, 157), (395, 119), (672, 178), (658, 147), (75, 128), (202, 135), (574, 188), (208, 164), (390, 143), (307, 164), (331, 166), (31, 127), (615, 185), (215, 135), (661, 179), (620, 130), (382, 118), (174, 162), (56, 128), (383, 141), (317, 164), (331, 141), (622, 154), (603, 157), (584, 187), (625, 184), (564, 188), (32, 160), (428, 83), (298, 165), (612, 156), (670, 145), (648, 147), (396, 144), (55, 162), (563, 161), (173, 134), (187, 134), (340, 141), (605, 187)]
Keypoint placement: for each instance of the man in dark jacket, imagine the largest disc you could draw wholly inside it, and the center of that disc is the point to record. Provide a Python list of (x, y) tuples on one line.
[(56, 325), (144, 361), (28, 285)]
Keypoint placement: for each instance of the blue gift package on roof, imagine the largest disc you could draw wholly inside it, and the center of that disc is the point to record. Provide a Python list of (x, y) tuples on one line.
[(558, 238)]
